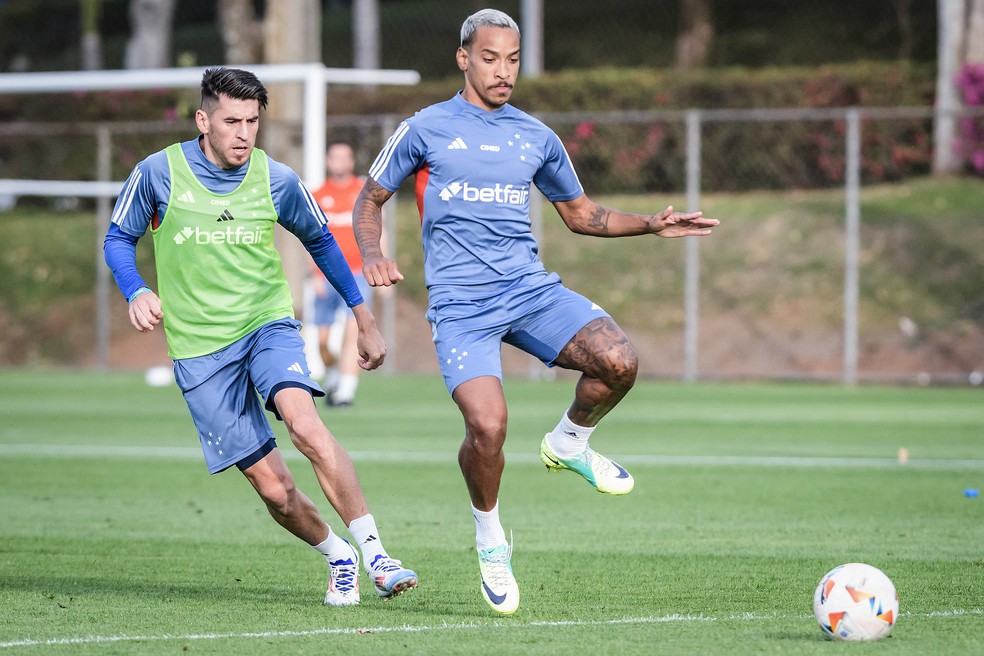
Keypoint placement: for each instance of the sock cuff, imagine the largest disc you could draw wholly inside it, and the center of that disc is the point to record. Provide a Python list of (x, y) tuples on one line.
[(567, 424), (366, 522), (324, 547), (486, 513)]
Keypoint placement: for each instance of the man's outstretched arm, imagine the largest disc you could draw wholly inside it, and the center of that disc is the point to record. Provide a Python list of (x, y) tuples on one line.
[(584, 216)]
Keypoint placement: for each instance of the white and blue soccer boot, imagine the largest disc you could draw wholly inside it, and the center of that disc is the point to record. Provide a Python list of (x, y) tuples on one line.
[(343, 580), (498, 583), (390, 577), (603, 473)]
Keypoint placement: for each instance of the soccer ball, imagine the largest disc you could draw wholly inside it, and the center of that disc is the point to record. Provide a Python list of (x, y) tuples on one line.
[(856, 602)]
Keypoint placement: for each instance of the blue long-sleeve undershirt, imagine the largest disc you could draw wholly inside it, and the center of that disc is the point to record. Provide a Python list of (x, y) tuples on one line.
[(120, 253)]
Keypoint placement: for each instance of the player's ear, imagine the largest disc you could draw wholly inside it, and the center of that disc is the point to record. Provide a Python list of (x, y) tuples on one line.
[(462, 58), (201, 120)]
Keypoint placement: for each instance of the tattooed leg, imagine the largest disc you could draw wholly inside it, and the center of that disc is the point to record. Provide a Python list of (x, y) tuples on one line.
[(608, 364)]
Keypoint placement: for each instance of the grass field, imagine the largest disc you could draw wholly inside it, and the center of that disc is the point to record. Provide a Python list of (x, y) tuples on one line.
[(114, 540)]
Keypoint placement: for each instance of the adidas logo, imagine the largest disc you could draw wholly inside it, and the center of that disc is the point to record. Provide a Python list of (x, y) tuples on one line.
[(457, 144), (226, 216), (371, 538), (296, 368), (186, 197)]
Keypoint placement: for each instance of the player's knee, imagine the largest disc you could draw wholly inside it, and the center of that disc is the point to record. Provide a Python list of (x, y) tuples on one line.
[(621, 368), (305, 430), (279, 495), (486, 433)]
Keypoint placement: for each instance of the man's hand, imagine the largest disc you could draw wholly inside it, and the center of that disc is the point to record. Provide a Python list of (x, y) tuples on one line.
[(678, 224), (145, 311), (380, 271), (372, 348)]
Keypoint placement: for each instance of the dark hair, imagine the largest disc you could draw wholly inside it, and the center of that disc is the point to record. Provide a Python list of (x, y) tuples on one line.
[(232, 82)]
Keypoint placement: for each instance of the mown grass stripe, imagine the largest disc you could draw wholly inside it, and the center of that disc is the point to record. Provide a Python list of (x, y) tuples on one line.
[(121, 451)]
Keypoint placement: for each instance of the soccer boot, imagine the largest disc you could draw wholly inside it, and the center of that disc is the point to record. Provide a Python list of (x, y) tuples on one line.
[(603, 473), (390, 577), (498, 583), (343, 580)]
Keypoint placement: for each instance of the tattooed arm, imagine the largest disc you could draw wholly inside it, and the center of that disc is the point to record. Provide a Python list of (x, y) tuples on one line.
[(586, 217), (379, 270)]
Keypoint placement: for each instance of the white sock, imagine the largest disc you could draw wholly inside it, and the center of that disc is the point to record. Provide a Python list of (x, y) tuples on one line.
[(488, 530), (568, 439), (347, 384), (334, 548), (366, 536), (331, 378)]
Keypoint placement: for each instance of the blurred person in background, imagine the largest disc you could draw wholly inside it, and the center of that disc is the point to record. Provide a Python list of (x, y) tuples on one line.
[(211, 204), (475, 158), (336, 196)]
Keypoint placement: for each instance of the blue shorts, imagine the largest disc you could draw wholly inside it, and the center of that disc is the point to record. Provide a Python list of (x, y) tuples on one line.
[(327, 307), (536, 314), (225, 391)]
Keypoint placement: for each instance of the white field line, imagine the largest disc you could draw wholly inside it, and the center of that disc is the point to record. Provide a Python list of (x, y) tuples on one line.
[(183, 453), (422, 628)]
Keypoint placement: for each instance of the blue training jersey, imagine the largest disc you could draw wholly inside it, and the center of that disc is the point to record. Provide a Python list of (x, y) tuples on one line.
[(474, 171)]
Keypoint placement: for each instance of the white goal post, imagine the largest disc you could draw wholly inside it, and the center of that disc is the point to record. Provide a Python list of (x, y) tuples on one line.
[(314, 76)]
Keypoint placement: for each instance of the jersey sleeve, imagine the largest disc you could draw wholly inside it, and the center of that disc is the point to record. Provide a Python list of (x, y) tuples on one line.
[(300, 213), (145, 190), (295, 206), (556, 177), (120, 253), (403, 155), (328, 257)]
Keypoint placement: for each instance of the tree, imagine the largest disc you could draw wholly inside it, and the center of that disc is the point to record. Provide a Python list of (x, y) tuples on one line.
[(150, 39), (693, 44), (91, 42), (242, 32), (365, 27)]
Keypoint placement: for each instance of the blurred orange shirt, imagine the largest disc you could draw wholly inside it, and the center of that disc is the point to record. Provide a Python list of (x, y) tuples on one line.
[(338, 200)]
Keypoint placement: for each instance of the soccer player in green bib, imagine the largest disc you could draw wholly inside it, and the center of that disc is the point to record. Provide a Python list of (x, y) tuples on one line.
[(211, 204)]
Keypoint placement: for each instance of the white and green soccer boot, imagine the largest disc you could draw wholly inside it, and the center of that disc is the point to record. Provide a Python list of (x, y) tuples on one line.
[(498, 583), (604, 474)]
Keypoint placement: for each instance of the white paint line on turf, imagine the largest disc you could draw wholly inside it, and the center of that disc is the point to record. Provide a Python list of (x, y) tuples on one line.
[(123, 451), (407, 628)]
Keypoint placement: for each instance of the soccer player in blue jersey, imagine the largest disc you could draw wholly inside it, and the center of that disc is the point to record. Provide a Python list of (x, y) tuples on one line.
[(475, 158), (211, 204)]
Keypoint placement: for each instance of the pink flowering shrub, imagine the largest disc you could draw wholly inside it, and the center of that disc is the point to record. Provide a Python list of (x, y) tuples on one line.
[(970, 142)]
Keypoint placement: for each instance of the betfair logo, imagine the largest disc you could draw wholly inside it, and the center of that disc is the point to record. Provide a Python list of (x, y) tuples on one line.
[(501, 194), (238, 236)]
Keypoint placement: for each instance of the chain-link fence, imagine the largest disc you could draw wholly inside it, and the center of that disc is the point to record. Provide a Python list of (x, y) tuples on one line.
[(839, 257), (775, 297)]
